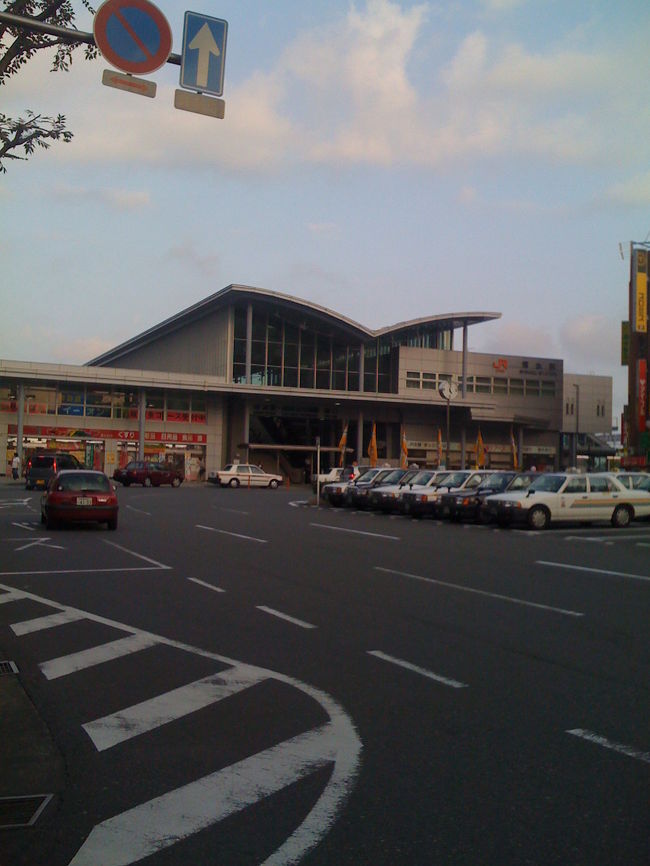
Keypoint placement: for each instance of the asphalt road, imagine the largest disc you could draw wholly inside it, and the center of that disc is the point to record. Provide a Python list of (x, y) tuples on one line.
[(236, 677)]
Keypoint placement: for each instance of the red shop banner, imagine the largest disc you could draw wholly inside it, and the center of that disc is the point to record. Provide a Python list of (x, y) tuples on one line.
[(124, 435)]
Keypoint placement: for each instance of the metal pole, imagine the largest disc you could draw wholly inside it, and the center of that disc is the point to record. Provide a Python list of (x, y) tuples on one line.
[(317, 471), (447, 457), (66, 33)]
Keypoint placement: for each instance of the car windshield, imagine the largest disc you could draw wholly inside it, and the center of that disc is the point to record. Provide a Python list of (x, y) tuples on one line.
[(422, 477), (393, 477), (454, 479), (521, 482), (87, 481), (368, 475), (43, 461), (548, 483), (497, 481)]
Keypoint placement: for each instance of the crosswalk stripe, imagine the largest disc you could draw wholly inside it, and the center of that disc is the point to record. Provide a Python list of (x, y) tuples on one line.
[(87, 658), (153, 826), (14, 595), (148, 715), (43, 622)]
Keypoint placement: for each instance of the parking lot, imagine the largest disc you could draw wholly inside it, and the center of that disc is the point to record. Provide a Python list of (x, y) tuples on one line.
[(411, 691)]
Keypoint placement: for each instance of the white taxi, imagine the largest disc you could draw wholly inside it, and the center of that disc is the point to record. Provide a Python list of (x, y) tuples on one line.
[(244, 475), (559, 496)]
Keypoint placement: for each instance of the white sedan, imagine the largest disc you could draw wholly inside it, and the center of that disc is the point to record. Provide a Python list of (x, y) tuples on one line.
[(569, 497), (244, 475)]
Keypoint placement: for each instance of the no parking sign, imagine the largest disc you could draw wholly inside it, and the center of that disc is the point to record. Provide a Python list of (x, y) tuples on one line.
[(133, 35)]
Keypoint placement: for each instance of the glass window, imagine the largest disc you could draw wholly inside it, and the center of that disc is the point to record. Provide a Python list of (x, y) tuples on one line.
[(429, 381), (516, 386), (275, 329), (258, 374), (275, 355), (500, 386), (290, 354), (41, 400), (290, 377), (178, 406), (239, 373), (243, 470), (601, 485), (259, 326), (532, 387), (240, 322), (353, 381), (239, 352), (548, 388), (323, 379), (155, 405), (412, 379), (576, 485), (338, 380), (483, 385), (274, 376), (71, 401), (307, 377), (353, 361), (290, 334), (258, 353)]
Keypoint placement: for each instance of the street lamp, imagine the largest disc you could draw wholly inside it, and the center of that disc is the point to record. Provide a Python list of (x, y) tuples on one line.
[(447, 390)]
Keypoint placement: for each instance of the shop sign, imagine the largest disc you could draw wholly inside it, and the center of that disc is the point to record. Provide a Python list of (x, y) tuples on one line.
[(640, 291), (124, 435), (547, 450), (625, 343)]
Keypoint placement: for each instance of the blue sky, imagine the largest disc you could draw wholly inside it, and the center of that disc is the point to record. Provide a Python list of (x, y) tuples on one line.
[(388, 160)]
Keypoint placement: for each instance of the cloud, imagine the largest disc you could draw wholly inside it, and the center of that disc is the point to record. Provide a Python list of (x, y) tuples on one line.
[(115, 199), (634, 192), (186, 253), (323, 229), (515, 338), (343, 94), (591, 342)]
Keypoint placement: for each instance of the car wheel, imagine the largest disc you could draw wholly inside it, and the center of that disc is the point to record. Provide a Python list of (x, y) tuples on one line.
[(50, 522), (503, 522), (28, 487), (233, 482), (42, 517), (112, 524), (538, 517), (176, 482), (126, 483), (273, 483), (622, 516)]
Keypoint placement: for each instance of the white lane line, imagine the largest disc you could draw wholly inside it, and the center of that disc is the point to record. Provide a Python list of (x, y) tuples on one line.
[(24, 526), (12, 595), (355, 531), (170, 706), (288, 618), (97, 655), (42, 622), (234, 534), (480, 592), (153, 826), (454, 684), (621, 748), (138, 555), (208, 585), (139, 510), (235, 511), (592, 570), (642, 544)]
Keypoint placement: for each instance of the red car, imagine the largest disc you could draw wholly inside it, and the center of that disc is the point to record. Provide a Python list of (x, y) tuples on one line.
[(148, 474), (79, 495)]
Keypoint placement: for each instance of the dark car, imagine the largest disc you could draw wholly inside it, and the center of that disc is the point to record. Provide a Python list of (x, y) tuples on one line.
[(467, 505), (357, 493), (43, 465), (148, 474), (81, 495)]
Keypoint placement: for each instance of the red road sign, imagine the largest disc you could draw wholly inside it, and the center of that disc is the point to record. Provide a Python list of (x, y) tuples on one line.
[(133, 35)]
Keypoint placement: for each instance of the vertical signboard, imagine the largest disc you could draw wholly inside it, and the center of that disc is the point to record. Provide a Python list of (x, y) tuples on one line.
[(642, 384), (625, 343), (640, 291)]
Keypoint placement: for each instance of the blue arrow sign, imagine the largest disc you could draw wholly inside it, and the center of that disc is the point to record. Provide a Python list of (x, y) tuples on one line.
[(204, 53)]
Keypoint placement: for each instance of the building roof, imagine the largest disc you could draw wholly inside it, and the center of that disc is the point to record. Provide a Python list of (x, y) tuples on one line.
[(329, 318)]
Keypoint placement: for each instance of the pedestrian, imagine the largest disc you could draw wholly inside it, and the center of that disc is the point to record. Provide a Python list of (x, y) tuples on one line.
[(15, 467)]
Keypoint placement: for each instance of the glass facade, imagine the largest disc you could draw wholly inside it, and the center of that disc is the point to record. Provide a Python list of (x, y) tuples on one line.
[(303, 354)]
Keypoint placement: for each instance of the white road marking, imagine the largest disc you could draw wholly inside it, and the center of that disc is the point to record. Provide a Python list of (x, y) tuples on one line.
[(138, 555), (454, 684), (642, 544), (42, 622), (298, 503), (288, 618), (235, 534), (235, 511), (12, 595), (345, 755), (355, 531), (480, 592), (139, 510), (592, 570), (148, 715), (208, 585), (28, 526), (608, 744), (40, 542), (97, 655), (165, 820)]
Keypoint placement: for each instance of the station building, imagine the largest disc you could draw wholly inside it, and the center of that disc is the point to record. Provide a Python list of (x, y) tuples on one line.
[(272, 379)]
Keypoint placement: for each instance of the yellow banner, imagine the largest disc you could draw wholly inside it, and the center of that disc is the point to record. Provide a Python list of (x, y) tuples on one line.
[(641, 306)]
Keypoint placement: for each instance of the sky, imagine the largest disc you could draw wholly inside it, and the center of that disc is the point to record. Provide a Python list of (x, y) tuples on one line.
[(386, 159)]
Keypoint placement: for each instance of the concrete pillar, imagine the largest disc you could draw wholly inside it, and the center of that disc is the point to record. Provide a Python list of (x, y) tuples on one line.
[(520, 446), (463, 446), (464, 388), (362, 364), (249, 342), (142, 414), (20, 402), (360, 437), (247, 427)]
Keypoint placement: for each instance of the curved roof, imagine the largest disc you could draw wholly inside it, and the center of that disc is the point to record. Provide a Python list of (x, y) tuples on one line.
[(330, 318)]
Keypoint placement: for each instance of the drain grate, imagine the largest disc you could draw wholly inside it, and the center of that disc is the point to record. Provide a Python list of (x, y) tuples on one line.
[(22, 811), (8, 668)]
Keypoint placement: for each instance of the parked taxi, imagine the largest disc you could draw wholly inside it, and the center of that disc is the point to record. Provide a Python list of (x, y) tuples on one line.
[(566, 497)]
